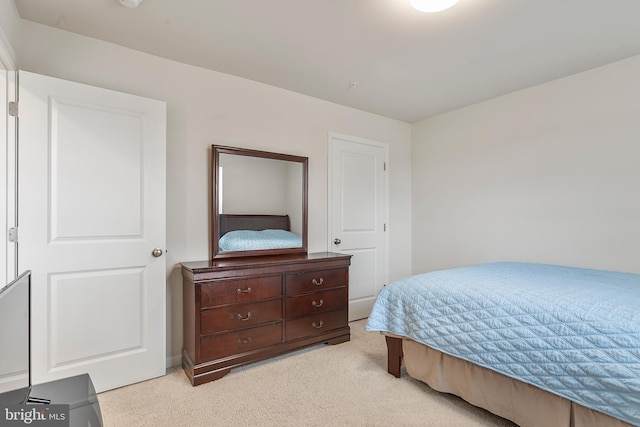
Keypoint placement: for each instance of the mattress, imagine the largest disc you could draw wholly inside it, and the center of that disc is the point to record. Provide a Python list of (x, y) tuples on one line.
[(572, 332)]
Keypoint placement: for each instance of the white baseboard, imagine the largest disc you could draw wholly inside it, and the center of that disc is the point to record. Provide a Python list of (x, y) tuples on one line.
[(174, 361)]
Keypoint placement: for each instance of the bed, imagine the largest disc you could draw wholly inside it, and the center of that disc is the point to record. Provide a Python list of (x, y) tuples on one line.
[(239, 232), (540, 345)]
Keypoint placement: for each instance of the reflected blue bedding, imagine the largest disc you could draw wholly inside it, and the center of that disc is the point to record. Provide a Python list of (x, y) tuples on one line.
[(248, 240), (573, 332)]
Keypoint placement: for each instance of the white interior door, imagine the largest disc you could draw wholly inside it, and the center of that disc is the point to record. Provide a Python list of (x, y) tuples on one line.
[(7, 174), (4, 196), (91, 210), (358, 212), (8, 158)]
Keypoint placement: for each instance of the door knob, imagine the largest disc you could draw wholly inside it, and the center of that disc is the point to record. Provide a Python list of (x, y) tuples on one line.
[(156, 252), (337, 241)]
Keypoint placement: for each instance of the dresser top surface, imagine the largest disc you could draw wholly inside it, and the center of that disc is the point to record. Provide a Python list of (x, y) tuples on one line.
[(256, 261)]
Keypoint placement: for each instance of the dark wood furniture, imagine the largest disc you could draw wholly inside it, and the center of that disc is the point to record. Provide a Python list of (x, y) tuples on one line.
[(394, 355), (242, 310)]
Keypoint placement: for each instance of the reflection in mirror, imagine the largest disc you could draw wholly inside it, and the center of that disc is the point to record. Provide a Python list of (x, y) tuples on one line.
[(260, 203)]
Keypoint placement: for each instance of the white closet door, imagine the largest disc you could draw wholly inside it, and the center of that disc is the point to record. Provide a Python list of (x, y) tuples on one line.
[(358, 211), (91, 211)]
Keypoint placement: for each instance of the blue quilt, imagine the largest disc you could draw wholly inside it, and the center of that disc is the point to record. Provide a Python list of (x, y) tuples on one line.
[(248, 240), (573, 332)]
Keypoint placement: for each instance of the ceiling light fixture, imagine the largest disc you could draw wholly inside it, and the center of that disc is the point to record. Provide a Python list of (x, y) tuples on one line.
[(432, 5), (131, 3)]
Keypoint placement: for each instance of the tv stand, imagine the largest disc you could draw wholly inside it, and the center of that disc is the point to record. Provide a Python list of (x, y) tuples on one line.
[(77, 392)]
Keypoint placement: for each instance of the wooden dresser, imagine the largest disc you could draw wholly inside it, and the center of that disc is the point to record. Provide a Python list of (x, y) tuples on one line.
[(241, 310)]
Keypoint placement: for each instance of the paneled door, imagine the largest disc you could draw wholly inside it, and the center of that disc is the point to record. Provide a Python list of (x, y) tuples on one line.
[(357, 216), (91, 220), (7, 165), (5, 276), (7, 174)]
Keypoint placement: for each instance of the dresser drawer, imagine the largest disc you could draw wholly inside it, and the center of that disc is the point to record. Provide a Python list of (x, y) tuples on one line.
[(233, 343), (318, 302), (242, 290), (239, 316), (312, 281), (242, 310), (315, 324)]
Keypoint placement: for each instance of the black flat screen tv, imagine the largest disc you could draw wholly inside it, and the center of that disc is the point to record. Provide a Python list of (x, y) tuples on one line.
[(15, 351)]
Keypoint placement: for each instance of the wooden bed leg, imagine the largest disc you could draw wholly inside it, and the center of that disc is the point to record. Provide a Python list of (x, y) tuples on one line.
[(394, 355)]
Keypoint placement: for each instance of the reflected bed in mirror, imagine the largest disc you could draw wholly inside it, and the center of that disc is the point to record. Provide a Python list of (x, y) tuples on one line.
[(259, 203)]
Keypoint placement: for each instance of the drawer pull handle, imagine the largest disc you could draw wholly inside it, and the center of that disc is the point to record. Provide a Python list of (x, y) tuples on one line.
[(317, 282), (244, 319), (240, 291), (244, 341), (317, 304), (317, 325)]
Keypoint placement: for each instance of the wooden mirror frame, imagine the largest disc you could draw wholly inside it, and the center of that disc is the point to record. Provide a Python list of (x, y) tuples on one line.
[(215, 214)]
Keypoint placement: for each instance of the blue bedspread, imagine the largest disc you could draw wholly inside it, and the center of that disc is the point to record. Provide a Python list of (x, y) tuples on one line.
[(248, 240), (573, 332)]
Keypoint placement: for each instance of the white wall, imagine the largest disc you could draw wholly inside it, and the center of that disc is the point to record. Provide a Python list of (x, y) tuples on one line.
[(249, 184), (205, 108), (547, 174)]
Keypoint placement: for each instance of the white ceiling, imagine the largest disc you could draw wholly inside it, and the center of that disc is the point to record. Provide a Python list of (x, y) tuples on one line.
[(405, 64)]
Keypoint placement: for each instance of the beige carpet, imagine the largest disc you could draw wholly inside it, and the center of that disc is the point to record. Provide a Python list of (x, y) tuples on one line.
[(341, 385)]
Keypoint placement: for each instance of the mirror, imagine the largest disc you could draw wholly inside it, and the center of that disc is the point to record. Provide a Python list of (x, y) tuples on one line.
[(259, 203)]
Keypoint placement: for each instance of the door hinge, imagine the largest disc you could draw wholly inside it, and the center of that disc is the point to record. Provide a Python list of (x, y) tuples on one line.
[(13, 108), (12, 234), (385, 165), (385, 227)]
